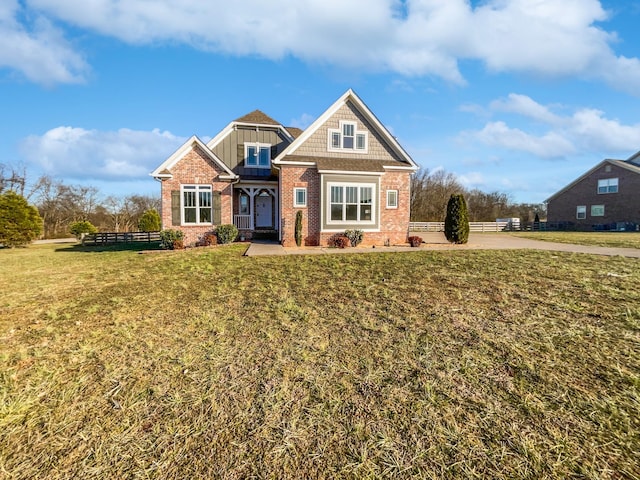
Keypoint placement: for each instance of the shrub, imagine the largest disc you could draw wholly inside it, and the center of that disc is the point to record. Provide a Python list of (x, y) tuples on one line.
[(169, 237), (456, 223), (226, 233), (20, 223), (177, 245), (354, 236), (78, 229), (415, 241), (298, 232), (150, 221), (338, 241), (209, 239)]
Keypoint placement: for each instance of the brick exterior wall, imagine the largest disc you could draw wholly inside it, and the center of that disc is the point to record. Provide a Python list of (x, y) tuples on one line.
[(196, 169), (394, 223), (623, 206)]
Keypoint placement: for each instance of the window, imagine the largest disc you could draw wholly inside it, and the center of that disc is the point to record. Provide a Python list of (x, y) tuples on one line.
[(581, 212), (597, 210), (392, 198), (351, 203), (196, 204), (608, 185), (257, 155), (348, 137), (244, 204), (299, 197)]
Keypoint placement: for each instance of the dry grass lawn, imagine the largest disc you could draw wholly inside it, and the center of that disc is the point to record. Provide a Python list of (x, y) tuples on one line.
[(207, 364), (600, 239)]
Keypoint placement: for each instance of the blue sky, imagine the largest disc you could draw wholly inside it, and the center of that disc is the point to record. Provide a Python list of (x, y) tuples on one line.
[(519, 96)]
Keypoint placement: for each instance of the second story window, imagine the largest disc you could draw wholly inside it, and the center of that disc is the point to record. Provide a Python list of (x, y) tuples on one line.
[(608, 185), (257, 155), (348, 137)]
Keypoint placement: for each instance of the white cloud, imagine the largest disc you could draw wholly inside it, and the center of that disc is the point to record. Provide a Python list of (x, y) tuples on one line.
[(581, 131), (429, 37), (91, 154), (37, 50), (302, 122), (549, 145)]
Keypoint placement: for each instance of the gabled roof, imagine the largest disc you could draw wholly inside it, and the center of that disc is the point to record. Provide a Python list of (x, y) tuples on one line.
[(257, 117), (164, 170), (626, 164), (635, 159), (253, 119), (294, 131), (348, 96)]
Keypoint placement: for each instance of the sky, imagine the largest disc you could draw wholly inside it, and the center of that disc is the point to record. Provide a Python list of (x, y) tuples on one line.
[(515, 96)]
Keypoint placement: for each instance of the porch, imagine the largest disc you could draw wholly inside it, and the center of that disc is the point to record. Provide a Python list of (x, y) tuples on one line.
[(256, 210)]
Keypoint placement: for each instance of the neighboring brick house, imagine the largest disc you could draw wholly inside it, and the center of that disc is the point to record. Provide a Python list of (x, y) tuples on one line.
[(607, 197), (345, 171)]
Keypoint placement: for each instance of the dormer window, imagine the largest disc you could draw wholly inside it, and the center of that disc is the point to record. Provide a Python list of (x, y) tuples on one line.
[(257, 155), (348, 137)]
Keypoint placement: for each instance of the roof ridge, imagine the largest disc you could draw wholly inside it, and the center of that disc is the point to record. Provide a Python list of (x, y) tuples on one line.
[(258, 117)]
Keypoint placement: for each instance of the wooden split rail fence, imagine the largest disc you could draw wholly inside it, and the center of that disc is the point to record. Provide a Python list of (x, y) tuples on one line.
[(473, 226), (104, 238)]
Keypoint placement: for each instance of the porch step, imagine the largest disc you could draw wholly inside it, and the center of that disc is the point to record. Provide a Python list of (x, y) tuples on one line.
[(265, 235)]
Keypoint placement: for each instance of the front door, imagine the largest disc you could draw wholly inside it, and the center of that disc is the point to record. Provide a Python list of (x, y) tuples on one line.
[(264, 211)]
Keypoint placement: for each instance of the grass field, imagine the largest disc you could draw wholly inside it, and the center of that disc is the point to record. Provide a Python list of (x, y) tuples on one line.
[(207, 364), (601, 239)]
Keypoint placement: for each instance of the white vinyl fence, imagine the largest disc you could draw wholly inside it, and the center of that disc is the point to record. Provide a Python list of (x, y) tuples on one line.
[(473, 226)]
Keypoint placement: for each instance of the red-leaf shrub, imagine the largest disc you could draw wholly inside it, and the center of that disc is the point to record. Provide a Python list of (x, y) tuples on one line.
[(415, 241)]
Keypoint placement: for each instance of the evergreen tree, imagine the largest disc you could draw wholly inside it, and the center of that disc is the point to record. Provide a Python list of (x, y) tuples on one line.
[(456, 223), (149, 221), (20, 223)]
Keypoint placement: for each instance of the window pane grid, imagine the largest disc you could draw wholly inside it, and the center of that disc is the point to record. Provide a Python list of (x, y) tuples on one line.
[(351, 204), (197, 204)]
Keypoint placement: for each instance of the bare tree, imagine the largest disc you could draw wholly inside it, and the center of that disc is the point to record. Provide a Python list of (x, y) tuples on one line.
[(430, 192)]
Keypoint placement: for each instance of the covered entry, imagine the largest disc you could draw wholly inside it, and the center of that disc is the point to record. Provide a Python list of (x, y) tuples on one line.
[(257, 207)]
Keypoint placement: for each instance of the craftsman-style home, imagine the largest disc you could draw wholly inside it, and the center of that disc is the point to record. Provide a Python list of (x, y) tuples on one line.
[(607, 197), (345, 171)]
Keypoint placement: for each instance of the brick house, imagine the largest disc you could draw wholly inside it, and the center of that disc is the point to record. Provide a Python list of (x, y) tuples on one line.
[(607, 197), (345, 171)]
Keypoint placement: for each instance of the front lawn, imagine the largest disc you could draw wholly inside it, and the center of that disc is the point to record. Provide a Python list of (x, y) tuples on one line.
[(602, 239), (207, 364)]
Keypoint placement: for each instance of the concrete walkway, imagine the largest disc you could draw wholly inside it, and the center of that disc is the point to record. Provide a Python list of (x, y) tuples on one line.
[(437, 241)]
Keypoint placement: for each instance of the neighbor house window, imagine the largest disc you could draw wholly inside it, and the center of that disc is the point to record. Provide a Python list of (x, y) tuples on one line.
[(257, 155), (608, 185), (351, 203), (348, 137), (392, 198), (581, 212), (597, 210), (299, 197), (196, 204)]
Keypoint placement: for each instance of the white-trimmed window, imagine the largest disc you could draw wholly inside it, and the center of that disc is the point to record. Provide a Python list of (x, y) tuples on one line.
[(351, 203), (581, 212), (197, 204), (244, 204), (597, 210), (608, 185), (348, 137), (299, 197), (392, 198), (257, 155)]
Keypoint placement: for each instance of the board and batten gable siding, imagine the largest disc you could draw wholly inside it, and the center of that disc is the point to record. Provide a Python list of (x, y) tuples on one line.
[(195, 168), (231, 149), (317, 144), (623, 206)]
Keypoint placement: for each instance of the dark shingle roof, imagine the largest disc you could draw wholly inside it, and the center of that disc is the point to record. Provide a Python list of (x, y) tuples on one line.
[(295, 132), (346, 164), (257, 117)]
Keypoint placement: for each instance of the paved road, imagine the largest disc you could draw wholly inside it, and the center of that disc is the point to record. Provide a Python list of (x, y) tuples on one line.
[(437, 241)]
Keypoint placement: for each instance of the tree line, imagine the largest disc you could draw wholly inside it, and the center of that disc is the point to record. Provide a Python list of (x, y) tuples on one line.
[(431, 191), (61, 205)]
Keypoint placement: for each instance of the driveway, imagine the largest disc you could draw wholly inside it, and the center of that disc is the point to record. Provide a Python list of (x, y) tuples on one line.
[(437, 241)]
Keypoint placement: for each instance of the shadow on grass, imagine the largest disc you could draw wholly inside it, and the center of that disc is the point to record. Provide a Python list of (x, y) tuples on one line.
[(114, 247)]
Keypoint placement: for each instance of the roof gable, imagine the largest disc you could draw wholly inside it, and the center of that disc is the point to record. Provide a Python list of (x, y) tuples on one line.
[(164, 170), (634, 159), (618, 163), (351, 100)]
